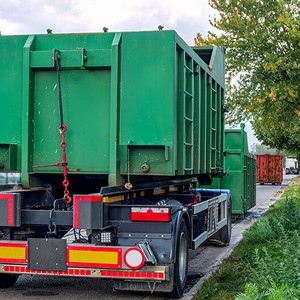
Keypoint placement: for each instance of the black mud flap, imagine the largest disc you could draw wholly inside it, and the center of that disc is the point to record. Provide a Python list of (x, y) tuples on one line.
[(47, 254)]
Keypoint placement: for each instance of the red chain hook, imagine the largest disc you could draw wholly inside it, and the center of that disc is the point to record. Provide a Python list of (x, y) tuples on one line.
[(62, 129)]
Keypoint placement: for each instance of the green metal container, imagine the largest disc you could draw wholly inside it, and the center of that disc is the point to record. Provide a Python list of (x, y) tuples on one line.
[(138, 105), (240, 170)]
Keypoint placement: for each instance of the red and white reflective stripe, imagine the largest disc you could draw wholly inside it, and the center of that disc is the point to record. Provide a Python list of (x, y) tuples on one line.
[(151, 214), (122, 274), (69, 272), (134, 258), (133, 274)]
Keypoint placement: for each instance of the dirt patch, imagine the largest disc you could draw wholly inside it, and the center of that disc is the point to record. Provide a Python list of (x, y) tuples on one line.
[(295, 181)]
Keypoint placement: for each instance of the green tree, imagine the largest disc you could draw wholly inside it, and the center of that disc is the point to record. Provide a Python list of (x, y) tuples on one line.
[(263, 149), (262, 39)]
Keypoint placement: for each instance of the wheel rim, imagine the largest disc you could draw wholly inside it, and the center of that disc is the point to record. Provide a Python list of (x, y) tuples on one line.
[(182, 256)]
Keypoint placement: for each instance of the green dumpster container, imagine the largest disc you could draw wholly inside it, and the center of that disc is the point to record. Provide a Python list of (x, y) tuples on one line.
[(142, 106), (240, 171)]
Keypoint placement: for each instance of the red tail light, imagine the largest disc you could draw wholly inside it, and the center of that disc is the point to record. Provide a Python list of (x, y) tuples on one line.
[(151, 214)]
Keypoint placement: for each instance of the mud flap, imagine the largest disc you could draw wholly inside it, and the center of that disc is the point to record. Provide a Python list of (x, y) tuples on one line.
[(47, 254)]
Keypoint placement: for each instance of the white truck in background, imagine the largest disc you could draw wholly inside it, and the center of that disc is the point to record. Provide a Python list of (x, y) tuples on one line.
[(291, 165)]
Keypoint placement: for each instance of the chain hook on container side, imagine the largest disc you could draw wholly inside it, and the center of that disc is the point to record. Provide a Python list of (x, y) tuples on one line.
[(62, 129)]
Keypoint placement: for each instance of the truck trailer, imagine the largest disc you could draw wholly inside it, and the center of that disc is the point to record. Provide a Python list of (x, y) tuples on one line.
[(113, 135), (291, 165)]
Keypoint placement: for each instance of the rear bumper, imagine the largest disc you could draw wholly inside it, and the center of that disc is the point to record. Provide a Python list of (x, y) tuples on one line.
[(149, 273), (57, 257)]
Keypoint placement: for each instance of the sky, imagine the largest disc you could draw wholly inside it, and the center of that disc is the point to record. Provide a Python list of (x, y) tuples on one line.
[(187, 17), (34, 16)]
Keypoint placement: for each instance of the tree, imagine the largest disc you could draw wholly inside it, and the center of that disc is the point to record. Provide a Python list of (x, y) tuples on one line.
[(262, 39), (263, 149)]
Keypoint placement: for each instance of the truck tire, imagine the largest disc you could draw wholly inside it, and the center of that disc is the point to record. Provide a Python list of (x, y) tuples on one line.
[(226, 230), (224, 234), (181, 263), (7, 281)]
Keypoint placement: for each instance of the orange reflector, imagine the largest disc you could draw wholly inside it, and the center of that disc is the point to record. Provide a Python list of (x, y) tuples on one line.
[(151, 214)]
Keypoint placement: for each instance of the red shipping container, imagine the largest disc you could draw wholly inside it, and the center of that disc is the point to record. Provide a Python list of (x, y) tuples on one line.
[(269, 168)]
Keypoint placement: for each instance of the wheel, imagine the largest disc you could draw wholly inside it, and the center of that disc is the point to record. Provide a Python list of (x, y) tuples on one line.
[(226, 230), (181, 263), (224, 234), (7, 281)]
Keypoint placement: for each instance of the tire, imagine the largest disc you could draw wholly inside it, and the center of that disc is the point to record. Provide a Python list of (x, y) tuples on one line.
[(224, 234), (226, 230), (181, 263), (7, 281)]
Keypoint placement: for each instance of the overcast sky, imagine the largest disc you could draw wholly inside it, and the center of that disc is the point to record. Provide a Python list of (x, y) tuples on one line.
[(187, 17), (34, 16)]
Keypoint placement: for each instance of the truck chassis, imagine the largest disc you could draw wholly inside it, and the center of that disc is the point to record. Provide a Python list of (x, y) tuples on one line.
[(140, 238)]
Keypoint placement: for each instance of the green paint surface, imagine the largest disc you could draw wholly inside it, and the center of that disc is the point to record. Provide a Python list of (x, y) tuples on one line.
[(146, 96)]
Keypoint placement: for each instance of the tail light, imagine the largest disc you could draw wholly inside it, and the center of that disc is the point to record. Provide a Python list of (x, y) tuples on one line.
[(151, 214)]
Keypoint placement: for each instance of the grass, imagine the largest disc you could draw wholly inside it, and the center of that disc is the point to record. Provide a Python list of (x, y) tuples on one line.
[(266, 263)]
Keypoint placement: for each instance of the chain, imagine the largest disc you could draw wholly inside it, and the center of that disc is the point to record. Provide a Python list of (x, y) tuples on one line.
[(57, 67), (62, 129), (128, 184)]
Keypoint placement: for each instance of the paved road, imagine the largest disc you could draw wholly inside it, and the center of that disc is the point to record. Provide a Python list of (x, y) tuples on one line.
[(203, 261), (266, 191)]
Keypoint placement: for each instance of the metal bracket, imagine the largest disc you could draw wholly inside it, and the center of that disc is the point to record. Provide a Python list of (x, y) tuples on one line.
[(151, 286), (149, 255)]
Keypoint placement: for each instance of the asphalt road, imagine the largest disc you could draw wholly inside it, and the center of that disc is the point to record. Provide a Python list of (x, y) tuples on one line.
[(203, 262)]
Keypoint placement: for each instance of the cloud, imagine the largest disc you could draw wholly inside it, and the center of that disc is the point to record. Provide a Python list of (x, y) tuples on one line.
[(35, 16), (32, 16)]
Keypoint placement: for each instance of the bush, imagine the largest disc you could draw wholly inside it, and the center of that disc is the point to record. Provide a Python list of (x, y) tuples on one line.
[(275, 271), (273, 293), (259, 232), (283, 221)]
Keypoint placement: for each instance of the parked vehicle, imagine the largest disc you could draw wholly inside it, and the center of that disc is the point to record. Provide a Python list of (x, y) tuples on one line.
[(269, 168), (291, 165), (112, 134)]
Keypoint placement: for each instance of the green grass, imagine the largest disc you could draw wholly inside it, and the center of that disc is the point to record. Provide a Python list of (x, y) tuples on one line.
[(266, 263), (292, 191)]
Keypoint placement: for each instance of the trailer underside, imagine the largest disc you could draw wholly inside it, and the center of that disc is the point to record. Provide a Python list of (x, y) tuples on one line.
[(133, 237)]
